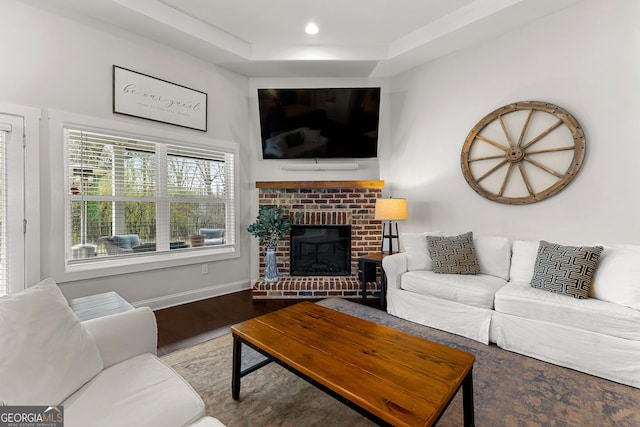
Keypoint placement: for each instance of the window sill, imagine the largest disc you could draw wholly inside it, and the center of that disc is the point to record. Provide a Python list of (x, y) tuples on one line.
[(134, 264)]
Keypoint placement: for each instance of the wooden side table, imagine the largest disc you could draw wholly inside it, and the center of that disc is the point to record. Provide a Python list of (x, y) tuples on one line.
[(367, 266), (94, 306)]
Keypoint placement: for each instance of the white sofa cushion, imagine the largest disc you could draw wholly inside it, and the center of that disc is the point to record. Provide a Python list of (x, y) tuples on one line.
[(617, 276), (37, 365), (494, 255), (131, 394), (523, 260), (415, 246), (450, 316), (520, 299), (476, 290)]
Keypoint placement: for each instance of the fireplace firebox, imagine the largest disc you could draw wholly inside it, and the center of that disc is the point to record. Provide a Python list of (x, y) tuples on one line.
[(320, 250)]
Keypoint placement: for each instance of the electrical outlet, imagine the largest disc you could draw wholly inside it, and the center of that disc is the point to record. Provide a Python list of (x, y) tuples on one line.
[(205, 268)]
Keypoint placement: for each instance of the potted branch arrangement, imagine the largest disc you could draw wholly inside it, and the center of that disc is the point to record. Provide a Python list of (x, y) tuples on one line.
[(270, 226)]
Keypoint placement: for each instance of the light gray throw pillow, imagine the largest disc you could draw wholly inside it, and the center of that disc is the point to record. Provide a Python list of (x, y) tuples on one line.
[(566, 270), (453, 254)]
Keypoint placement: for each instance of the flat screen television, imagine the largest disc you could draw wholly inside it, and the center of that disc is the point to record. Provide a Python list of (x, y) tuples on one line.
[(319, 123)]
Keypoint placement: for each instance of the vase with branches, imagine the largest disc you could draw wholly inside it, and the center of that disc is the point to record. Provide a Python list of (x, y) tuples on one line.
[(270, 226)]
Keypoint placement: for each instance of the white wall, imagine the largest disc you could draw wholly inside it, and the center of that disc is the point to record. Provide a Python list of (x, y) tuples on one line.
[(52, 62), (583, 59)]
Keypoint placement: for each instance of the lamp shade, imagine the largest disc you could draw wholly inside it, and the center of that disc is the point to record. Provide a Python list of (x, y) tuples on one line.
[(391, 209)]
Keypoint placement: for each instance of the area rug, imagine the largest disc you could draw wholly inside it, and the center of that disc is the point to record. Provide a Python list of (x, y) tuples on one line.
[(509, 389)]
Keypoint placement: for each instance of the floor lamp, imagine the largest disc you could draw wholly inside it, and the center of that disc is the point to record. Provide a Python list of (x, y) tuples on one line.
[(390, 210)]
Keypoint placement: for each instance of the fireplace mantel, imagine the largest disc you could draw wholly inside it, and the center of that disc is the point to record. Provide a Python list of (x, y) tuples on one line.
[(320, 184)]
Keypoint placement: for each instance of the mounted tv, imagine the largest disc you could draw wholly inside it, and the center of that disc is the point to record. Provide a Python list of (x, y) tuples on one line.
[(319, 123)]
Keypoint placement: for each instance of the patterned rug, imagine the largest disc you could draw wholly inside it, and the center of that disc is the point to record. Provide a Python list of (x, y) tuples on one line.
[(509, 389)]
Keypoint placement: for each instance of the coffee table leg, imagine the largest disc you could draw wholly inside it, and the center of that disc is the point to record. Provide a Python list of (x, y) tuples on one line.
[(235, 373), (467, 400)]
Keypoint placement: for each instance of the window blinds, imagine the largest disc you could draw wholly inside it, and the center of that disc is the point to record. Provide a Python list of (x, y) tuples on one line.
[(101, 165)]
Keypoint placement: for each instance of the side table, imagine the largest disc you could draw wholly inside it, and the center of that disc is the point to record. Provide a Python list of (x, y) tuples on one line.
[(367, 266), (93, 306)]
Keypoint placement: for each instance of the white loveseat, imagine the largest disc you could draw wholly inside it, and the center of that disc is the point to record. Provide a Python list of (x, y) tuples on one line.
[(599, 335), (104, 372)]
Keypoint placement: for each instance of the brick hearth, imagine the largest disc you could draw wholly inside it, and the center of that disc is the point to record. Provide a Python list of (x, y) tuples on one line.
[(330, 203)]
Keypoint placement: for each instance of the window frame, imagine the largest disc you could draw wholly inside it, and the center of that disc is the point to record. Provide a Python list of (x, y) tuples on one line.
[(62, 268), (12, 236), (29, 165)]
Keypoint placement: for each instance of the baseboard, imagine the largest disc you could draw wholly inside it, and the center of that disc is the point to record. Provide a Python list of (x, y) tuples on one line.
[(191, 296)]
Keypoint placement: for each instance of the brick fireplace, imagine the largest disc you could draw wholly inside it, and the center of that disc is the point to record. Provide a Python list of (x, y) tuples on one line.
[(327, 203)]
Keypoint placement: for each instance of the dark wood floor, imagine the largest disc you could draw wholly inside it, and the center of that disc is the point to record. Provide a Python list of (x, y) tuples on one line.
[(189, 324)]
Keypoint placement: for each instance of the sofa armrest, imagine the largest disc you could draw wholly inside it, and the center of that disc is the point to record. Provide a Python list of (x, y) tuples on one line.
[(394, 266), (122, 336)]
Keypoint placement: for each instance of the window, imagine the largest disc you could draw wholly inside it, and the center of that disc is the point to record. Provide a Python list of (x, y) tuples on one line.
[(129, 198)]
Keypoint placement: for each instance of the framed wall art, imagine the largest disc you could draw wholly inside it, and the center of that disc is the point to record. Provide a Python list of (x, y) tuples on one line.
[(146, 97)]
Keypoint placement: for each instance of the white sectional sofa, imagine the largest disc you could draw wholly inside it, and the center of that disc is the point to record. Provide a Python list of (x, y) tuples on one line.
[(104, 372), (599, 335)]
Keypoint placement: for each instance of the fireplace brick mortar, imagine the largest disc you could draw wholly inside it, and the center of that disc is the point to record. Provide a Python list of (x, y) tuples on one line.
[(323, 206)]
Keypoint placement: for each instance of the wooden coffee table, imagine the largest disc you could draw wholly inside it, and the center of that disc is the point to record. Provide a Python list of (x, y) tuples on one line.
[(391, 377)]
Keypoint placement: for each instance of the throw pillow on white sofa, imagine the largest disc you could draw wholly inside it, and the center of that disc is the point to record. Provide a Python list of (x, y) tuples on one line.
[(46, 352), (453, 254), (494, 255), (415, 246), (565, 270), (523, 260), (617, 276)]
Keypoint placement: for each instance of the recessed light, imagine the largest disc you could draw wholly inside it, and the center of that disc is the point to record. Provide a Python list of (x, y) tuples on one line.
[(311, 28)]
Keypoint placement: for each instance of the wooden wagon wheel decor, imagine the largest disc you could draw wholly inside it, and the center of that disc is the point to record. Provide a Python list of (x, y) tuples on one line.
[(523, 152)]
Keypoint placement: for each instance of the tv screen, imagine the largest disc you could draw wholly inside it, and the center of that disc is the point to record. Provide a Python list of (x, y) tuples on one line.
[(319, 123)]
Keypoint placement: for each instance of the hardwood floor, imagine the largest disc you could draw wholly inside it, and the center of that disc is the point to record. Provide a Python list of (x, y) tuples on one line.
[(189, 324)]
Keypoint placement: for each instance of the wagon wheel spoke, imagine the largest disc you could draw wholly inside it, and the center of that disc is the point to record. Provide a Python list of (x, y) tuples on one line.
[(551, 150), (524, 128), (492, 170), (544, 168), (543, 134), (495, 144), (476, 159), (506, 178), (525, 179), (506, 132)]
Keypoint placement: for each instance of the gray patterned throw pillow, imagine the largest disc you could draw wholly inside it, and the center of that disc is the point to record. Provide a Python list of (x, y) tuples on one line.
[(566, 270), (453, 254)]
